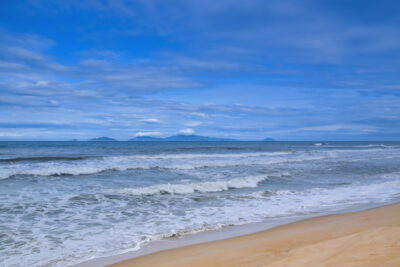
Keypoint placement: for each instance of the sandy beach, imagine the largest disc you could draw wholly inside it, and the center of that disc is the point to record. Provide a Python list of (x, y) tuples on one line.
[(365, 238)]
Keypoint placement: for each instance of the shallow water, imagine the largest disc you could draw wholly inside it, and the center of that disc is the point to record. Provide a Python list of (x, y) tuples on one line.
[(65, 202)]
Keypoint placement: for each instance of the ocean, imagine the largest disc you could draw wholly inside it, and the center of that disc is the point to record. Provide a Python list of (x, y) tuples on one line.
[(62, 203)]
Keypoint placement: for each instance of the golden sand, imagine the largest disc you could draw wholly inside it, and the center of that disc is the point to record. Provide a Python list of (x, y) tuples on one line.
[(366, 238)]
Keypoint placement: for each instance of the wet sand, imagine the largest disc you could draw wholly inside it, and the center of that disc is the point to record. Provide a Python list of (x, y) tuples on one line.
[(365, 238)]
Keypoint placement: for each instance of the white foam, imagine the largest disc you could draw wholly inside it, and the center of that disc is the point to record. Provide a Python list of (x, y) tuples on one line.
[(173, 162), (187, 188), (296, 201), (154, 222), (216, 155), (65, 221), (184, 161)]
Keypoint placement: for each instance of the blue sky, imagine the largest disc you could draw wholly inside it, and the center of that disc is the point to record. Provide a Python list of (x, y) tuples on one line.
[(292, 70)]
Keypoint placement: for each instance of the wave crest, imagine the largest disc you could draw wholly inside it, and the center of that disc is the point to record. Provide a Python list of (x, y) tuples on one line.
[(43, 158), (188, 188)]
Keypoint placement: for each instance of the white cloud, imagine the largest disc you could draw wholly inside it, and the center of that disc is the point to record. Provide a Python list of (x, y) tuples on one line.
[(199, 114), (153, 120), (193, 123), (147, 133), (340, 127), (10, 134), (187, 131)]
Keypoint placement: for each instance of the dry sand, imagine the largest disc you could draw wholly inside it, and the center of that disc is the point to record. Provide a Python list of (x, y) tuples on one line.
[(366, 238)]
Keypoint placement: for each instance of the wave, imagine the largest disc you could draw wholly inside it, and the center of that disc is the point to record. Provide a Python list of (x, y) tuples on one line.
[(219, 155), (181, 162), (356, 146), (202, 187), (133, 163), (155, 156), (318, 144), (44, 158), (344, 194)]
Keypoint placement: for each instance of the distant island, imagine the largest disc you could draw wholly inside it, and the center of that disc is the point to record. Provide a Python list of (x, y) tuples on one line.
[(180, 137), (102, 139)]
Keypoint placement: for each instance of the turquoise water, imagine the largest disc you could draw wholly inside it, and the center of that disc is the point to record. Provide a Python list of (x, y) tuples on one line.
[(66, 202)]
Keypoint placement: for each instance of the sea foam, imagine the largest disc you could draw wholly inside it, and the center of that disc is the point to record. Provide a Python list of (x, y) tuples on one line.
[(187, 188), (169, 162)]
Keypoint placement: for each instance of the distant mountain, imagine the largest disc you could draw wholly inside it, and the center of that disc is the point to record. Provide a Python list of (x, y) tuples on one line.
[(180, 137), (102, 139), (269, 139)]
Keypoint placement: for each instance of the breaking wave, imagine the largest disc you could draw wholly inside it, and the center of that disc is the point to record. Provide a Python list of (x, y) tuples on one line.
[(21, 159), (123, 163), (188, 188), (56, 166)]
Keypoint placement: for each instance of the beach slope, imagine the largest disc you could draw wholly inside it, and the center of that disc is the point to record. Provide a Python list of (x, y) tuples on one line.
[(366, 238)]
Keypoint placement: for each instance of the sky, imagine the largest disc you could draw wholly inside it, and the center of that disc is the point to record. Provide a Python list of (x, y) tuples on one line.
[(244, 69)]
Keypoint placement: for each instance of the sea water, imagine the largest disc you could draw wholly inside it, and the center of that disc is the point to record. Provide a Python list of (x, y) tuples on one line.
[(62, 203)]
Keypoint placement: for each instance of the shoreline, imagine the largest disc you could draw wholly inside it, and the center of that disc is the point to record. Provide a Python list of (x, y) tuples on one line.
[(221, 234), (364, 238)]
